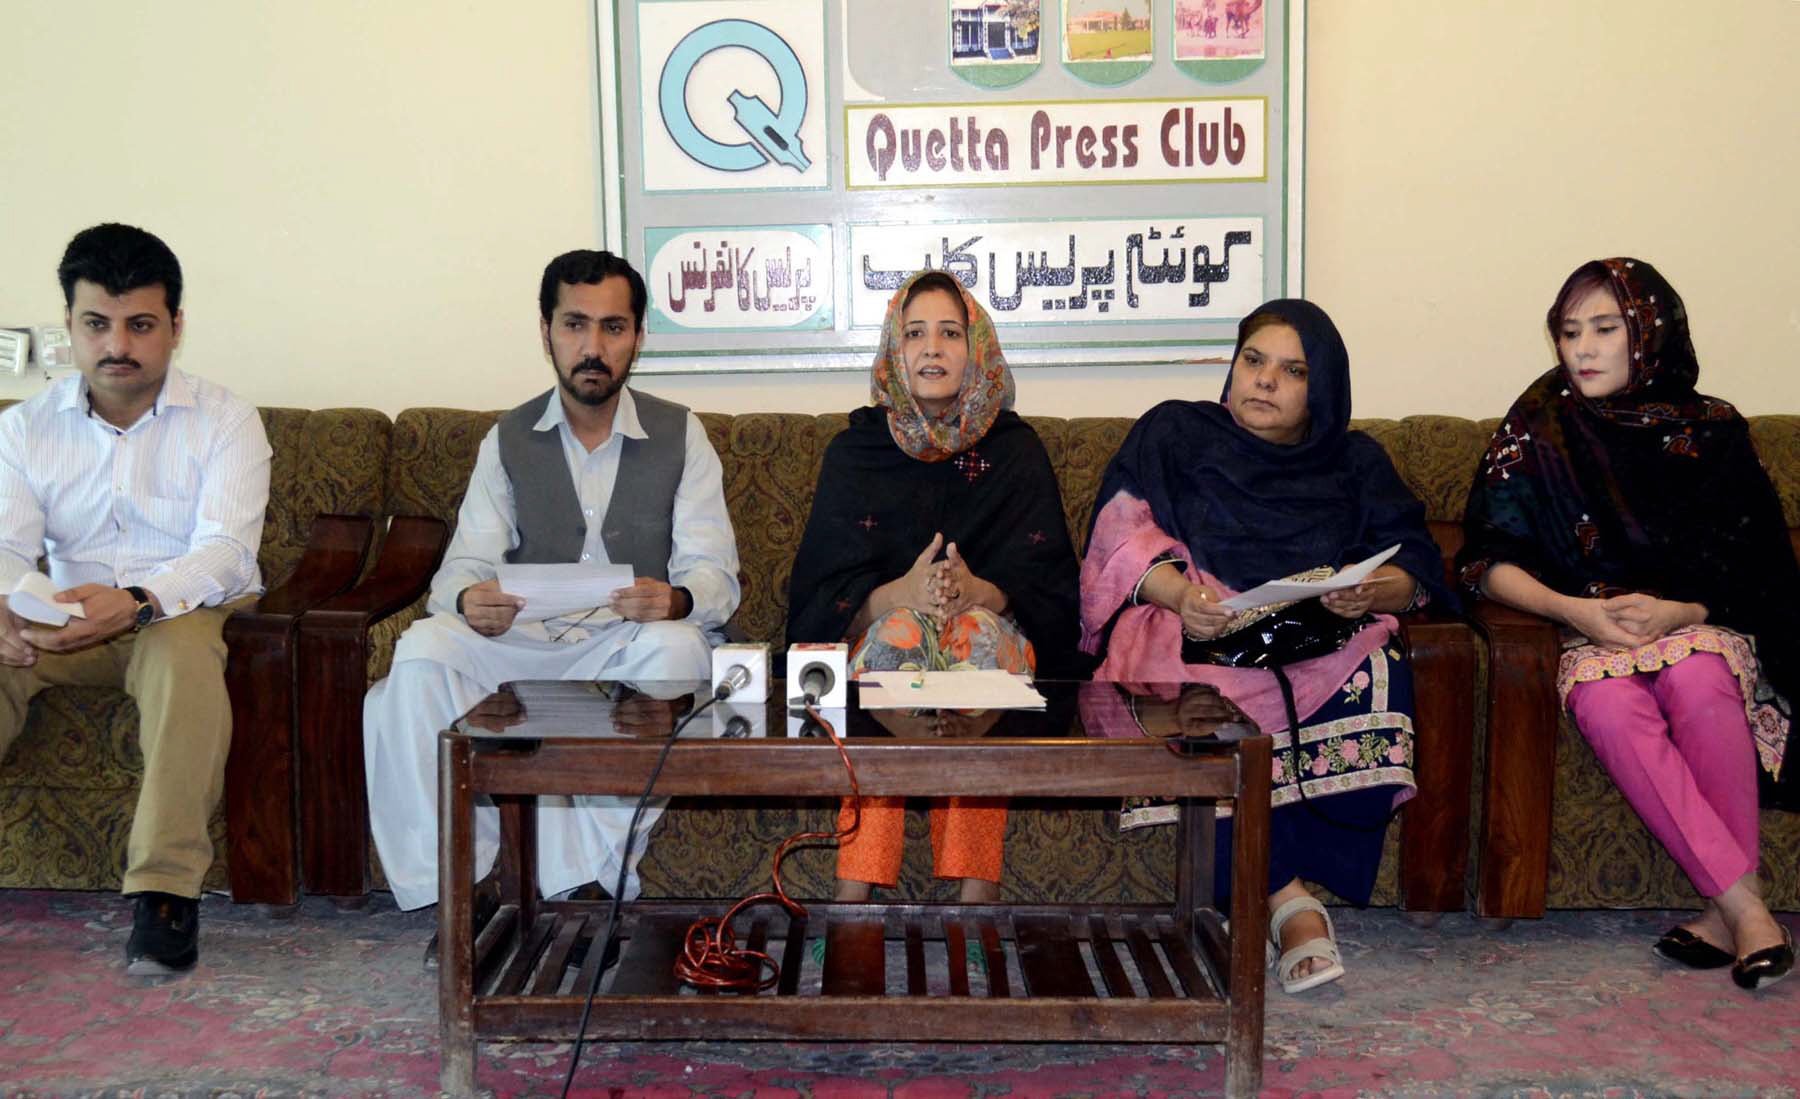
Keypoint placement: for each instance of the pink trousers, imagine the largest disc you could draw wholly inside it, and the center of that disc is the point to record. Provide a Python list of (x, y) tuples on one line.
[(1677, 743)]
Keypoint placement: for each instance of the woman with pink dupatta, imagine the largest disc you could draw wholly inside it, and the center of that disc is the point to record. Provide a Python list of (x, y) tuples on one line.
[(1205, 500)]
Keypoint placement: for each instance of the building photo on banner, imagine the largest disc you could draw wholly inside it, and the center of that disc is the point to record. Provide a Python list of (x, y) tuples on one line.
[(1117, 181)]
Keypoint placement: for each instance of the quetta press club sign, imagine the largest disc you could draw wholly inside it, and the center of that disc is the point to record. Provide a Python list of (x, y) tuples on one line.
[(1109, 141)]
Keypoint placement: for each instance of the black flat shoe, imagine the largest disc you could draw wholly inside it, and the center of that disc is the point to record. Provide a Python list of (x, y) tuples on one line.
[(1765, 966), (1683, 947)]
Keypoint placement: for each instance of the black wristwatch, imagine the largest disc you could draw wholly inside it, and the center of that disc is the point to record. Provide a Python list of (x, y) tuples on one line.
[(146, 610)]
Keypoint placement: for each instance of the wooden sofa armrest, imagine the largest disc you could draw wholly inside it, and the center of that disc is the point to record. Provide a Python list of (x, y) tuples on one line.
[(410, 555), (334, 656), (1434, 834), (1490, 617), (1519, 778), (261, 818)]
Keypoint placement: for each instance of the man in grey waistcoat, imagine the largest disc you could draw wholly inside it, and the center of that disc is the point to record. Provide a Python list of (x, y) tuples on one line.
[(589, 471)]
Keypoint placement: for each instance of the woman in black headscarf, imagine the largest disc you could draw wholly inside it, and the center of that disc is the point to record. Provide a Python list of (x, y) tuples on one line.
[(1618, 501), (936, 540), (1208, 499)]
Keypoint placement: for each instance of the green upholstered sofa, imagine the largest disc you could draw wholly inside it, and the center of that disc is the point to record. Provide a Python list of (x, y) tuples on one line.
[(771, 464), (1547, 827), (68, 787)]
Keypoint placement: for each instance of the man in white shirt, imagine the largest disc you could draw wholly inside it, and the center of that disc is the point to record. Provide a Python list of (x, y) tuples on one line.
[(590, 471), (145, 488)]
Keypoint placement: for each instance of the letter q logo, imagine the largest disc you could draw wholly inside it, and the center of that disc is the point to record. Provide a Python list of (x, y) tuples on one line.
[(773, 136)]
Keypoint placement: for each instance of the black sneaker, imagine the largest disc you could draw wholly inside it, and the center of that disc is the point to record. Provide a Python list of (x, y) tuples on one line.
[(165, 935)]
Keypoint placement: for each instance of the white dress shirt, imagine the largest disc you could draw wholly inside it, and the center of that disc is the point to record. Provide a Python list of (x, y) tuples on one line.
[(703, 558), (174, 503)]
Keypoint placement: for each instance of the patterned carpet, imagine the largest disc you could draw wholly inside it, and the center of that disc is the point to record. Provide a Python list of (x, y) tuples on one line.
[(336, 1003)]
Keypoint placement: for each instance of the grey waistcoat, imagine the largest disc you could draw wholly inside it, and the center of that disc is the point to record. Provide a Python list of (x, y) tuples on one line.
[(640, 517)]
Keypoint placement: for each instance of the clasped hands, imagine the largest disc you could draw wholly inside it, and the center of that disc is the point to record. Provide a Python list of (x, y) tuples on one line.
[(1628, 621), (945, 589), (110, 612), (491, 612)]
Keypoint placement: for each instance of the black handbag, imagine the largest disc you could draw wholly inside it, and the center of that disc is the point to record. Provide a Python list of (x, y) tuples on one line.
[(1293, 633), (1296, 632)]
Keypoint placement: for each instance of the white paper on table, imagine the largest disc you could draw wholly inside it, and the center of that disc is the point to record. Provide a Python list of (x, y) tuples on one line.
[(972, 689), (553, 591), (33, 599), (1287, 591)]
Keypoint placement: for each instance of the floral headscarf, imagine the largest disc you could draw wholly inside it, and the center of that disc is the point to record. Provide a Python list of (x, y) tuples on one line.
[(987, 385)]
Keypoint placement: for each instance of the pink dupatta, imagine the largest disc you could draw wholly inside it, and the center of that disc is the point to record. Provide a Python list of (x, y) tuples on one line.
[(1146, 641)]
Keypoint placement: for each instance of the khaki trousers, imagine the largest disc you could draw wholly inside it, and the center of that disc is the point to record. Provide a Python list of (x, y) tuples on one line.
[(175, 670)]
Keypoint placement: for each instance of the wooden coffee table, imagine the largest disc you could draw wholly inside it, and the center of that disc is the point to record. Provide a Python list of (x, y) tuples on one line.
[(890, 972)]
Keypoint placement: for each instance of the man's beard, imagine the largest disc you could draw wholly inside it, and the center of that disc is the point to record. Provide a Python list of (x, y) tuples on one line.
[(593, 398)]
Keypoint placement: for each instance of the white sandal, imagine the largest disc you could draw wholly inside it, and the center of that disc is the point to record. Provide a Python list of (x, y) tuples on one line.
[(1325, 949)]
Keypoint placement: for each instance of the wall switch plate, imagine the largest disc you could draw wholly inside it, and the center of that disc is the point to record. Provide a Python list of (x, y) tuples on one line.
[(55, 350), (15, 350)]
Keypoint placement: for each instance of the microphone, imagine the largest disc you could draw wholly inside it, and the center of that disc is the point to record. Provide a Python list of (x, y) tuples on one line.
[(735, 679), (816, 681), (818, 674), (741, 671)]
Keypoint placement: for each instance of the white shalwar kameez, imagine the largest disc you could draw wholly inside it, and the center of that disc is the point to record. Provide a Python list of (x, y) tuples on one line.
[(442, 667)]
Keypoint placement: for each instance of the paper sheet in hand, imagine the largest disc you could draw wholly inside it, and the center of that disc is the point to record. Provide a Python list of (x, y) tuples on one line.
[(32, 598), (1287, 591), (555, 591), (960, 690)]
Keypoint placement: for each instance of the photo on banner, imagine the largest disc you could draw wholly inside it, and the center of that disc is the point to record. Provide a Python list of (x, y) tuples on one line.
[(995, 43), (1108, 41), (1218, 29), (1219, 40)]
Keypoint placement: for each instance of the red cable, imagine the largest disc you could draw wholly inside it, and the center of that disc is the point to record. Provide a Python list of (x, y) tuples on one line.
[(711, 958)]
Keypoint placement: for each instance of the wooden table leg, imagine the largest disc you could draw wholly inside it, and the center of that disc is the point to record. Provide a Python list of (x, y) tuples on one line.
[(1195, 881), (456, 940), (517, 860), (1249, 919)]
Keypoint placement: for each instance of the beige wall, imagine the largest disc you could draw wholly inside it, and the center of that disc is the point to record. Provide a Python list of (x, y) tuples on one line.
[(364, 194)]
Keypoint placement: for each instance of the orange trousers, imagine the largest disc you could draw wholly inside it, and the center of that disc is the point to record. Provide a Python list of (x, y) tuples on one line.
[(968, 835), (967, 839)]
